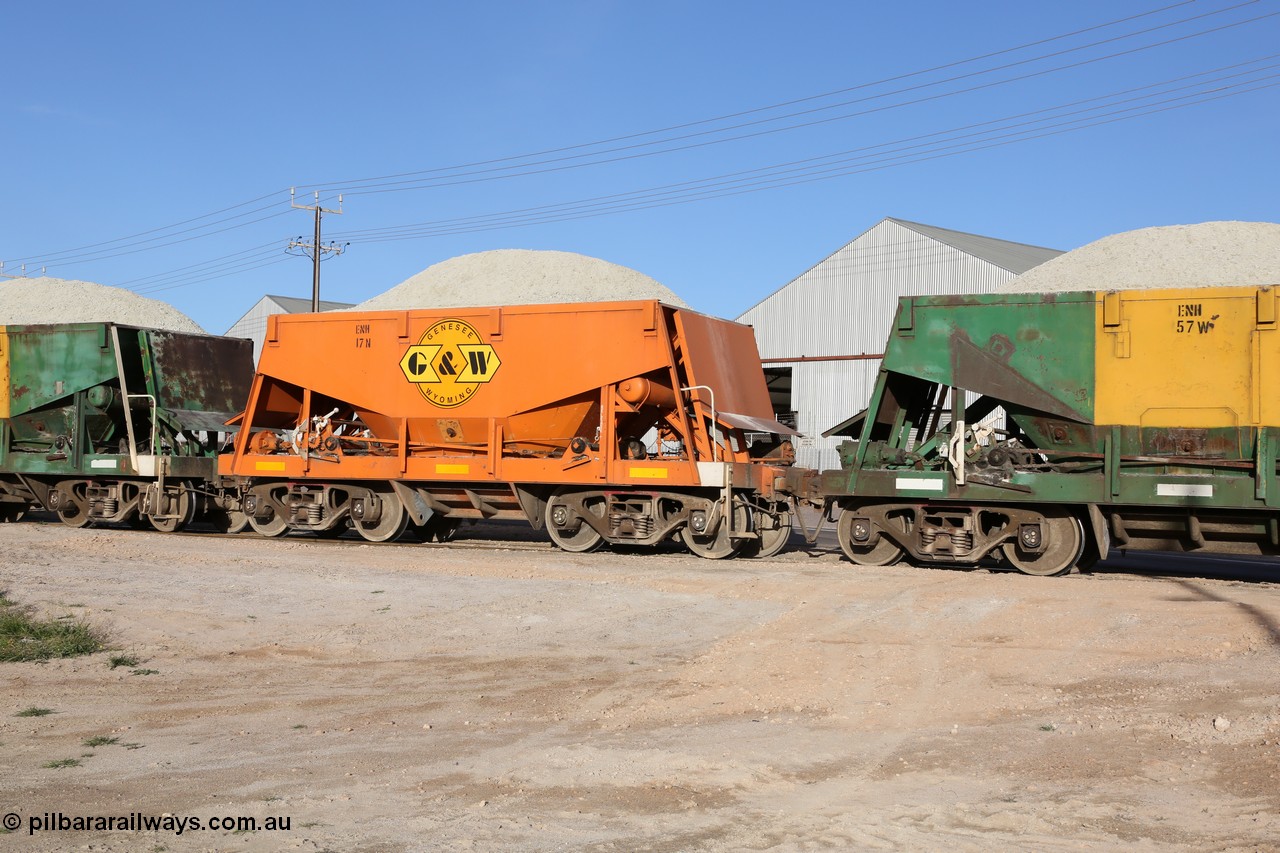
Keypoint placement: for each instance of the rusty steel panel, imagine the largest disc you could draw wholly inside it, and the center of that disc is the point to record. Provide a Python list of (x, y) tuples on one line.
[(201, 372), (724, 356)]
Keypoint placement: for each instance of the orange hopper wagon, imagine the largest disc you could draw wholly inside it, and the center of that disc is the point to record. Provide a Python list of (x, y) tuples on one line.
[(618, 422)]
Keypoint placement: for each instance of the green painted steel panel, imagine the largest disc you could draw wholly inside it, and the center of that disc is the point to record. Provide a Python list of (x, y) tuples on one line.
[(1218, 490), (51, 363), (1036, 349)]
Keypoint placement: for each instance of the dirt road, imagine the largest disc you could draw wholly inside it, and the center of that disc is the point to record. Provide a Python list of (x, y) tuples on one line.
[(420, 697)]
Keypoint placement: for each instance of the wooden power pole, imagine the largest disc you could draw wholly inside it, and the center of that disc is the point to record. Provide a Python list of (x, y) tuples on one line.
[(315, 249)]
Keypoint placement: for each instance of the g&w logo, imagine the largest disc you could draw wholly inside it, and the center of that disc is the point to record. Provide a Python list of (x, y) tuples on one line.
[(449, 363)]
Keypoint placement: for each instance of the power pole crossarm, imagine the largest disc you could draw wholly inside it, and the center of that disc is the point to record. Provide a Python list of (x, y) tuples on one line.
[(315, 249)]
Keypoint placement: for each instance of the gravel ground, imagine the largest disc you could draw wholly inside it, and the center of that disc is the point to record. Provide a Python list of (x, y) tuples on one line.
[(1209, 254), (520, 277), (56, 300), (501, 695)]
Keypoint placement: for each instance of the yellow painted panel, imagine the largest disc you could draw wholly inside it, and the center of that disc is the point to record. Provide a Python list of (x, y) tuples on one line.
[(452, 469), (648, 473), (4, 372), (1267, 358), (1182, 358), (269, 466)]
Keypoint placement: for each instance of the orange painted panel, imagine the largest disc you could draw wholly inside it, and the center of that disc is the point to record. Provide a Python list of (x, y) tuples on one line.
[(453, 381), (468, 362)]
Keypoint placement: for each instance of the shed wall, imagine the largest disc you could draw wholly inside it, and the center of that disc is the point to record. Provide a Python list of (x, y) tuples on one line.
[(253, 324), (844, 306)]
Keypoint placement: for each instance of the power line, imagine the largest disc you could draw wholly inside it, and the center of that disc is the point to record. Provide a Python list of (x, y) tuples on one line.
[(159, 245), (865, 168), (743, 189), (209, 271), (896, 153), (71, 256), (779, 105), (355, 188), (363, 236), (279, 258), (57, 256), (216, 261)]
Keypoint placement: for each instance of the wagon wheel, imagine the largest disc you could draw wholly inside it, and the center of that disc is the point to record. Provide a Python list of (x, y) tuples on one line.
[(559, 515), (885, 552), (774, 530), (1064, 545), (228, 520), (73, 511), (271, 526), (438, 528), (181, 511), (73, 515), (721, 545), (11, 512), (391, 523)]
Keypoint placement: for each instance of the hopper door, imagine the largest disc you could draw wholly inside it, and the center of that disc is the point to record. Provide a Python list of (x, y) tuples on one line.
[(721, 360)]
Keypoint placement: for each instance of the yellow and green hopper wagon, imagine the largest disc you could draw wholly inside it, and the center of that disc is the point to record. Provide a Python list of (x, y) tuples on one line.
[(1042, 429)]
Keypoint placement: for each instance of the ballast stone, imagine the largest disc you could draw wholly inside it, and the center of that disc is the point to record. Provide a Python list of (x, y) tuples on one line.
[(1207, 254), (520, 277), (33, 301)]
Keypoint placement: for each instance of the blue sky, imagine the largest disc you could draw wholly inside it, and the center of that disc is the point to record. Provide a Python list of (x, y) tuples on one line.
[(166, 135)]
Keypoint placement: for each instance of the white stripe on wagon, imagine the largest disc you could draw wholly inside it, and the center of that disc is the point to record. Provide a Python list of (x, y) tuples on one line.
[(1183, 490), (919, 484)]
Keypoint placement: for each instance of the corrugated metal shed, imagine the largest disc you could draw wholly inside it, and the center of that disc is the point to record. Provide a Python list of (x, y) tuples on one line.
[(253, 324), (843, 307)]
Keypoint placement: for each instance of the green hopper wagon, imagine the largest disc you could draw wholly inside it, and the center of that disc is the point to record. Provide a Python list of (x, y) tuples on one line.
[(112, 423)]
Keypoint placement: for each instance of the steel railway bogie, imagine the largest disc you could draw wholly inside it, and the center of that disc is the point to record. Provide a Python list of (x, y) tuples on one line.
[(1034, 540)]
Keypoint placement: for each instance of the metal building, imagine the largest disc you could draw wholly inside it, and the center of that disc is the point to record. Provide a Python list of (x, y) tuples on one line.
[(820, 335), (253, 324)]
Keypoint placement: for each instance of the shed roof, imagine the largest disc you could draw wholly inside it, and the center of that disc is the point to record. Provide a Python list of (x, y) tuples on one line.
[(1017, 258), (297, 305), (1014, 258)]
